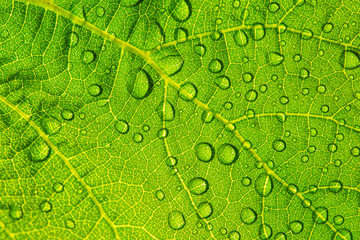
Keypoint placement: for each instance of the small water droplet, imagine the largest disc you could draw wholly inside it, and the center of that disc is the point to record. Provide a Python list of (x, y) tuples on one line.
[(281, 117), (190, 89), (263, 185), (258, 31), (138, 137), (332, 147), (139, 84), (234, 235), (296, 227), (216, 65), (246, 181), (274, 7), (241, 38), (58, 187), (67, 115), (39, 151), (251, 95), (45, 206), (338, 220), (265, 231), (200, 50), (305, 158), (236, 4), (100, 11), (198, 185), (324, 108), (322, 217), (122, 126), (355, 151), (275, 58), (247, 77), (307, 34), (162, 133), (16, 211), (207, 117), (69, 223), (342, 234), (328, 27), (204, 151), (279, 145), (205, 210), (94, 90), (176, 220), (160, 195), (321, 89), (223, 82), (88, 56), (227, 154), (216, 35), (248, 215), (284, 100), (166, 111), (304, 73)]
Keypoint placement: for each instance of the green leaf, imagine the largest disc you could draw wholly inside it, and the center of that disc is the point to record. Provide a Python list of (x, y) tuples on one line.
[(179, 119)]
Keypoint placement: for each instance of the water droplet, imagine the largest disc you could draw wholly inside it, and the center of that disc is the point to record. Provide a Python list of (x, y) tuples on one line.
[(263, 185), (335, 186), (227, 154), (171, 161), (355, 151), (223, 82), (67, 115), (207, 117), (122, 126), (200, 50), (328, 27), (246, 181), (204, 151), (39, 151), (162, 133), (284, 100), (180, 10), (275, 59), (145, 128), (180, 33), (216, 66), (305, 158), (139, 84), (338, 219), (332, 147), (248, 215), (241, 38), (250, 113), (263, 88), (95, 90), (306, 203), (58, 187), (247, 77), (313, 132), (296, 227), (16, 211), (100, 11), (293, 189), (349, 59), (216, 35), (138, 137), (236, 4), (69, 223), (209, 227), (337, 162), (45, 206), (357, 95), (280, 236), (265, 231), (342, 234), (166, 111), (281, 117), (205, 210), (189, 88), (304, 73), (307, 34), (160, 195), (171, 64), (279, 145), (322, 217), (251, 95), (324, 108), (74, 39), (258, 31), (228, 105), (198, 185), (311, 149), (176, 220), (88, 56), (274, 7), (321, 89), (234, 235)]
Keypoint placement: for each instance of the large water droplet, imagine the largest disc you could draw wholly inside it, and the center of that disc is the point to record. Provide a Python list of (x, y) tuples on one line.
[(122, 126), (349, 59), (171, 64), (205, 210), (216, 65), (258, 31), (279, 145), (139, 84), (248, 215), (227, 154), (223, 82), (39, 151), (322, 217), (180, 10), (265, 231), (166, 111), (16, 212), (189, 88), (204, 151), (241, 38), (335, 186), (296, 227), (263, 185), (88, 56), (342, 234), (176, 220), (45, 206), (198, 185), (275, 58)]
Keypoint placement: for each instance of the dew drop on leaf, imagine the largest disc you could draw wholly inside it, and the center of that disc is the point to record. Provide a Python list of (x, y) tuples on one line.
[(216, 35), (322, 217), (207, 117), (342, 234), (228, 105), (176, 220), (58, 187), (324, 108), (265, 231), (171, 64), (70, 224), (234, 235), (313, 132), (246, 181), (274, 7), (304, 73), (180, 33), (205, 151), (305, 158), (250, 113), (349, 59), (16, 211), (39, 151), (162, 133), (223, 82), (355, 151), (140, 84), (45, 206), (247, 77), (198, 185), (189, 88), (138, 137), (264, 185), (263, 88), (171, 161), (251, 95), (88, 56), (241, 38), (216, 65), (296, 227), (328, 27), (335, 186), (284, 100), (180, 10), (279, 145), (160, 195), (74, 39), (306, 203), (307, 34), (166, 111), (236, 4), (281, 117), (338, 220), (257, 31), (227, 154), (94, 90), (67, 115), (248, 215), (280, 236), (204, 210), (297, 58), (200, 50), (122, 126), (100, 11), (321, 89), (275, 58), (332, 147)]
